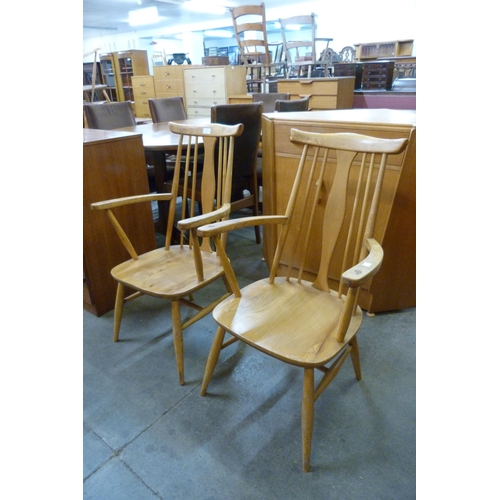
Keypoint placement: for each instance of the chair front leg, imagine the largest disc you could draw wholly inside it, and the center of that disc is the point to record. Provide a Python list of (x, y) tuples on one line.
[(120, 296), (178, 340), (307, 417), (355, 357), (213, 357)]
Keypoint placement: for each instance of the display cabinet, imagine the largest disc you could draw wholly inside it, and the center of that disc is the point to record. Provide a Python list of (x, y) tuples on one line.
[(130, 63), (108, 74)]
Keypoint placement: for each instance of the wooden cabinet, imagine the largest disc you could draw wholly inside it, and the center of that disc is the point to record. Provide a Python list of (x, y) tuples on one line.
[(325, 93), (117, 70), (169, 81), (377, 50), (130, 63), (205, 87), (378, 75), (144, 89), (113, 166), (108, 73), (349, 69), (394, 287)]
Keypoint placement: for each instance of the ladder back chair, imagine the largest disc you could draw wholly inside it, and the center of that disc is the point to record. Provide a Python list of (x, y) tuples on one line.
[(249, 22), (176, 272), (301, 59), (295, 316)]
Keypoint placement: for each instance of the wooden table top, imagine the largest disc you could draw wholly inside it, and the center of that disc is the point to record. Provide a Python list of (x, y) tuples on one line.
[(158, 137), (406, 117)]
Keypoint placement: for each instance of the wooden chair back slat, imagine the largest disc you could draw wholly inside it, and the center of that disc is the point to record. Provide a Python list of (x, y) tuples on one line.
[(339, 181)]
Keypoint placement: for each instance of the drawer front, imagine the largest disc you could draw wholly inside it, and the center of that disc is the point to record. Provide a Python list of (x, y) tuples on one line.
[(142, 108), (168, 72), (169, 87), (197, 112), (208, 75), (203, 103), (320, 101), (143, 83), (205, 91), (308, 87)]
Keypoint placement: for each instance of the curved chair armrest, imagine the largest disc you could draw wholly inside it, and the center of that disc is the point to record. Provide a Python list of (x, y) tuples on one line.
[(367, 268), (229, 225), (129, 200), (208, 218)]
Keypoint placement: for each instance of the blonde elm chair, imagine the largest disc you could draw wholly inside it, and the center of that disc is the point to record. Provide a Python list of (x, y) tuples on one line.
[(176, 272), (295, 316)]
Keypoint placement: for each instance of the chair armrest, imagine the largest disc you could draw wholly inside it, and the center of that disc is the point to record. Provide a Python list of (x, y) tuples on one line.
[(229, 225), (199, 220), (129, 200), (367, 268)]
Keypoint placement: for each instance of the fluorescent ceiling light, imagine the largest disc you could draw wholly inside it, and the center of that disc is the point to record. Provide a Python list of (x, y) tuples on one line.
[(149, 15), (218, 33)]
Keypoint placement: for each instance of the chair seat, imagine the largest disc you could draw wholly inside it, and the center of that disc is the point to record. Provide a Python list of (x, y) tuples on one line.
[(263, 318), (148, 275)]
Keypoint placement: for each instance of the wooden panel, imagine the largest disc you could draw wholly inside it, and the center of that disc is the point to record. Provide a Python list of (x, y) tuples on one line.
[(114, 165)]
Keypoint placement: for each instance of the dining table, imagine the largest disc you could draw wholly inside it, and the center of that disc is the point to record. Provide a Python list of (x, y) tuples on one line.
[(158, 141)]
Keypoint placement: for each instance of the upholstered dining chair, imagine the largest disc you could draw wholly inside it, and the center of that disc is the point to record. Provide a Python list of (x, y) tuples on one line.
[(245, 192), (167, 109), (176, 272), (306, 315), (109, 115), (268, 99), (292, 105)]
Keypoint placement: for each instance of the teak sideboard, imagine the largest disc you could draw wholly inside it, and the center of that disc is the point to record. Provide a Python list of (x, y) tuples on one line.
[(114, 165), (394, 287)]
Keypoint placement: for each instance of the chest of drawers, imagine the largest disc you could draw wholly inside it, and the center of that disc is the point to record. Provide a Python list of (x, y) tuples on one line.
[(144, 89), (378, 75), (350, 69), (324, 93), (205, 87), (168, 81)]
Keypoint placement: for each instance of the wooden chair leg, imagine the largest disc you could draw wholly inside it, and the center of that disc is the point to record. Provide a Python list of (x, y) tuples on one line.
[(213, 357), (307, 417), (178, 340), (120, 295), (355, 357)]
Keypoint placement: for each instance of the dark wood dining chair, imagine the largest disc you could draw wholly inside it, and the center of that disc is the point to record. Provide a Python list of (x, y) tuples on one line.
[(306, 315), (292, 105), (167, 109), (245, 192), (176, 272)]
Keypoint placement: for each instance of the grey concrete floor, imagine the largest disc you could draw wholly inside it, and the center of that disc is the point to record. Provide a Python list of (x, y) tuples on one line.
[(146, 437)]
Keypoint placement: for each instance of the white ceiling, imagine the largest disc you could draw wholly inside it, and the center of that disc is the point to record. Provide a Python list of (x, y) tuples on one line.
[(110, 17)]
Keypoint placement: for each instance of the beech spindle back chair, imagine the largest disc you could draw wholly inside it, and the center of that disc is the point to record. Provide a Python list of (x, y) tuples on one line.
[(176, 272), (295, 316)]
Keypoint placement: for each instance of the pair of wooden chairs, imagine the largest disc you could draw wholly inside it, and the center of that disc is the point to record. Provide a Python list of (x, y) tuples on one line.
[(299, 315)]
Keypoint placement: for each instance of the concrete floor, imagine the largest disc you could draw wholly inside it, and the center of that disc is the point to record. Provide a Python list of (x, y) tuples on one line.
[(146, 437)]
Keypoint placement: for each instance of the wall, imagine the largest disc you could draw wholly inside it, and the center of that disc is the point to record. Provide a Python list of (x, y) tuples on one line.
[(363, 21)]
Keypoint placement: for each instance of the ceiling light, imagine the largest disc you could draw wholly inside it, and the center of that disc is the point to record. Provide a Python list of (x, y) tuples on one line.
[(149, 15)]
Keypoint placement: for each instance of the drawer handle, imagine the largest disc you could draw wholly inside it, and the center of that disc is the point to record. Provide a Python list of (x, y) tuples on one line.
[(305, 82)]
